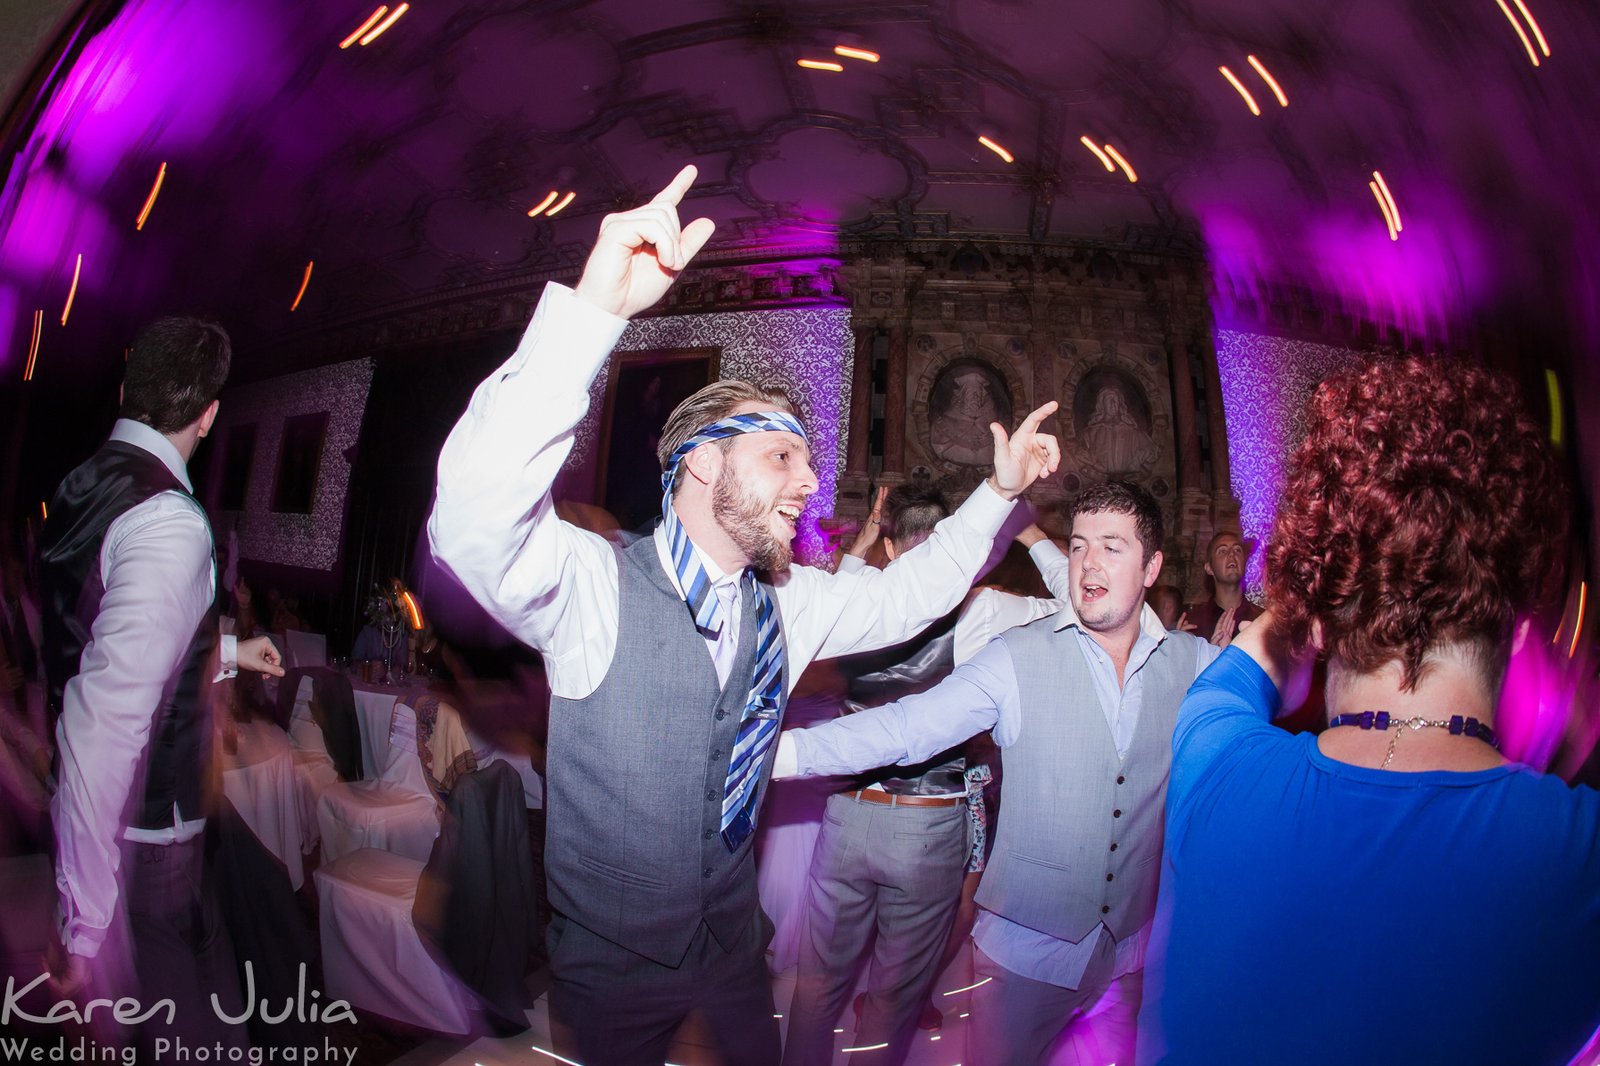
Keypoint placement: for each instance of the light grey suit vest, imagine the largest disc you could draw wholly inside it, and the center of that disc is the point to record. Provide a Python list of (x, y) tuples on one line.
[(1079, 839), (636, 772)]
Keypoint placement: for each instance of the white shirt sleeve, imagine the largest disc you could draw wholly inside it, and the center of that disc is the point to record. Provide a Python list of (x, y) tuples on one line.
[(825, 614), (1054, 567), (159, 582), (494, 526), (991, 613)]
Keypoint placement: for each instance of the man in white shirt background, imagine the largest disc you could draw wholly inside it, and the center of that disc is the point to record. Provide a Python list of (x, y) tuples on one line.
[(130, 645), (670, 659)]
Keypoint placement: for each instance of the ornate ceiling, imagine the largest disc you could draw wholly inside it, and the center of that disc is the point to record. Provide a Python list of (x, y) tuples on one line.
[(405, 168)]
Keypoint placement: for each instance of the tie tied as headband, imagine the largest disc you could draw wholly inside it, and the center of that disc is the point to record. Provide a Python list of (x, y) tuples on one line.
[(691, 575)]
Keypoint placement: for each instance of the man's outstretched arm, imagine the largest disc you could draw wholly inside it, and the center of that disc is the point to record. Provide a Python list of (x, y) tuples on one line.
[(980, 695)]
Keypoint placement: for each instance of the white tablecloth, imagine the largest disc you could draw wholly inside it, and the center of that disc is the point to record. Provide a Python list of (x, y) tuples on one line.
[(260, 780)]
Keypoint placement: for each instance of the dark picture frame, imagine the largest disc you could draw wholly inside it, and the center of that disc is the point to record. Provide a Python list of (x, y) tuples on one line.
[(299, 459), (238, 456), (643, 389)]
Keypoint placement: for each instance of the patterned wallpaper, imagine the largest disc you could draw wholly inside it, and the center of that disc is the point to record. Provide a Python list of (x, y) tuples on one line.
[(808, 350), (1266, 382), (310, 541)]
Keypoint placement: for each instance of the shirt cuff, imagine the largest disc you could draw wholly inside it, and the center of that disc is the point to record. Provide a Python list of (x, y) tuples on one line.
[(986, 508), (81, 940), (581, 312), (227, 657), (1045, 552), (786, 763), (850, 564)]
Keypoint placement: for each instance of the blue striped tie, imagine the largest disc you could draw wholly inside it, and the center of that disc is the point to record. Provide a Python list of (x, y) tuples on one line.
[(758, 726)]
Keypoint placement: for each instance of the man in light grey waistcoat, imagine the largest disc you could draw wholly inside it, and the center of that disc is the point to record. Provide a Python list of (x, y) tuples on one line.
[(1082, 702), (670, 659)]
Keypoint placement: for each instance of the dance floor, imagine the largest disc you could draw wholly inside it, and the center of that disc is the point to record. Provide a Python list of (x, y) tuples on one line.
[(943, 1048)]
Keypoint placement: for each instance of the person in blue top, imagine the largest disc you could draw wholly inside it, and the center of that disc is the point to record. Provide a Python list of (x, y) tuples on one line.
[(1393, 890)]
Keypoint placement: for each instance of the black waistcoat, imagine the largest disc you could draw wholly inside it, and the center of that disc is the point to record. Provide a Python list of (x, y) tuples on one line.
[(115, 479)]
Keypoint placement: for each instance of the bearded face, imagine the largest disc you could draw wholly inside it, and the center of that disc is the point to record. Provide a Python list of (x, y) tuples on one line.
[(760, 527)]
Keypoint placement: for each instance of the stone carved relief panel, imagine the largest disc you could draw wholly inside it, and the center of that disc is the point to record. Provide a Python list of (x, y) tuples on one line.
[(958, 385), (1117, 417)]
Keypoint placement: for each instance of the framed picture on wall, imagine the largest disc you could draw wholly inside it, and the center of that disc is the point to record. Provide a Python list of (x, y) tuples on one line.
[(644, 388), (299, 459), (238, 453)]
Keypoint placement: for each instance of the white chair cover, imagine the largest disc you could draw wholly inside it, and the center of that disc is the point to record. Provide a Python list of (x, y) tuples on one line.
[(397, 812), (371, 955), (305, 649), (314, 768), (260, 780)]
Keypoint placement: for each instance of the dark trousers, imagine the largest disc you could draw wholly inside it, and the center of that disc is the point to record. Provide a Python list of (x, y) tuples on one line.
[(612, 1007), (168, 942)]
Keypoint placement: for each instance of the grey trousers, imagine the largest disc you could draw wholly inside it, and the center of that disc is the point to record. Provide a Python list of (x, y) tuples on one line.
[(1017, 1021), (613, 1007), (894, 871)]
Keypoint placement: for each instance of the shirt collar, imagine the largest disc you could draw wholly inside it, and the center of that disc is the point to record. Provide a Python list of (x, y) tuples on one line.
[(1149, 622), (142, 436)]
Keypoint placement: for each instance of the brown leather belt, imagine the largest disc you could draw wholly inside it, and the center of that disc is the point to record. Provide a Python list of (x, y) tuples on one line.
[(889, 799)]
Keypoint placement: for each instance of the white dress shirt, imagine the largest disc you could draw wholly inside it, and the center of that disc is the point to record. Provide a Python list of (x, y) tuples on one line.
[(555, 586), (156, 564)]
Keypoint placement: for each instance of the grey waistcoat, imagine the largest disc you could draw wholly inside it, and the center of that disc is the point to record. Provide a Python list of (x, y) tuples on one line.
[(636, 773), (1079, 842)]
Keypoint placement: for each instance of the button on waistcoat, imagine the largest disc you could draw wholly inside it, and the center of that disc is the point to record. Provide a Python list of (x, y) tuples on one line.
[(1080, 840)]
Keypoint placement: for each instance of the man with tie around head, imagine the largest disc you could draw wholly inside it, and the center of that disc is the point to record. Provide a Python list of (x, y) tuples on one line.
[(670, 659)]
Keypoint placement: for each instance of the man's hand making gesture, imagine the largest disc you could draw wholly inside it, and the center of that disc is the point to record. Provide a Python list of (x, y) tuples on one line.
[(1025, 456), (640, 252)]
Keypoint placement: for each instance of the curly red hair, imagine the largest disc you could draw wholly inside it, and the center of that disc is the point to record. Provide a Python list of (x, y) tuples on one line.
[(1424, 508)]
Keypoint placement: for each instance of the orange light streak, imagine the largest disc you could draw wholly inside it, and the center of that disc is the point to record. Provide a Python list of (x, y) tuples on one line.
[(820, 64), (1272, 83), (44, 512), (303, 283), (1383, 205), (378, 30), (855, 53), (1521, 35), (1242, 91), (1394, 208), (412, 609), (33, 347), (1544, 46), (1123, 163), (558, 208), (1095, 148), (996, 149), (150, 201), (364, 27), (72, 292), (546, 202), (1583, 599)]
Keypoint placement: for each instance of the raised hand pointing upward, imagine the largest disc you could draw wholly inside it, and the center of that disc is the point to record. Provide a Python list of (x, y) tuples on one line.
[(1026, 455), (640, 252)]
